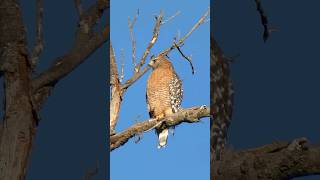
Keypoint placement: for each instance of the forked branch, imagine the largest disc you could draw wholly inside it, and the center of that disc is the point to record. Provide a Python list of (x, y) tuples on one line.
[(86, 42), (153, 40), (179, 43)]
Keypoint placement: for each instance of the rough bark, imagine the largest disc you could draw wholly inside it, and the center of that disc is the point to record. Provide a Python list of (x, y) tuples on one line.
[(190, 115), (279, 160), (18, 126)]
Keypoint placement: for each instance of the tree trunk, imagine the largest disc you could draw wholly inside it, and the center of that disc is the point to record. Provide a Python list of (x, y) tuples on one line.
[(18, 127)]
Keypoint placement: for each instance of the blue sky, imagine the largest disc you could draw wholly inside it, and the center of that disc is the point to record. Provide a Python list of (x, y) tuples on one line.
[(187, 153)]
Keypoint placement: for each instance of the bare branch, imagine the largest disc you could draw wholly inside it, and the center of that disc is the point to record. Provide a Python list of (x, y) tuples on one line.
[(134, 78), (39, 35), (181, 41), (190, 115), (264, 20), (200, 21), (153, 40), (187, 58), (116, 95), (279, 160), (41, 93), (85, 44), (133, 40), (137, 75), (122, 59), (171, 17)]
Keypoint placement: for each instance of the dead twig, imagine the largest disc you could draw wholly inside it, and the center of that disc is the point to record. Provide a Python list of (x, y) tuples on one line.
[(153, 40), (171, 17), (137, 75), (131, 25), (187, 58), (122, 59), (200, 21), (264, 20)]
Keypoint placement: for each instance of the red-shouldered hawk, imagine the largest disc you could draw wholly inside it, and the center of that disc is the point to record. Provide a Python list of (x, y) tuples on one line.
[(164, 94)]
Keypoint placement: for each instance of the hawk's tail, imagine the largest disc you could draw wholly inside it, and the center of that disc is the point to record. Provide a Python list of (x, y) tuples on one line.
[(163, 137)]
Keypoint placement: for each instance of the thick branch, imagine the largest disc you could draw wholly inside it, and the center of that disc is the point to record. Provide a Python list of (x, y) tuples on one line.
[(116, 95), (18, 127), (85, 44), (189, 115), (279, 160), (39, 34)]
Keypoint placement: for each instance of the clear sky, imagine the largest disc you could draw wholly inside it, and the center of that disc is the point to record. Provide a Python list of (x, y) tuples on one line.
[(187, 153), (276, 84)]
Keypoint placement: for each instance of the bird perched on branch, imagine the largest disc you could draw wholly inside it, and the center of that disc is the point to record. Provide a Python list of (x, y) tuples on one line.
[(164, 94)]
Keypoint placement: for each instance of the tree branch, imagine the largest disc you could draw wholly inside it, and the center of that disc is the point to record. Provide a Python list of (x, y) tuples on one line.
[(279, 160), (170, 18), (189, 115), (19, 119), (39, 35), (264, 20), (153, 40), (180, 42), (85, 44), (131, 25), (116, 95)]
